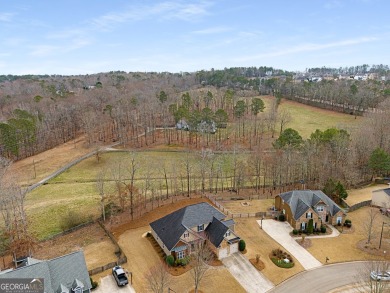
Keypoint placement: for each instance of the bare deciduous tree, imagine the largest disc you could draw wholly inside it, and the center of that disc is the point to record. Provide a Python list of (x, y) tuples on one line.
[(369, 224), (158, 278), (200, 259)]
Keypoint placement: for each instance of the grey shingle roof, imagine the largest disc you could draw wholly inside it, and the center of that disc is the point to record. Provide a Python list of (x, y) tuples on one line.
[(386, 190), (301, 200), (170, 228), (61, 270), (216, 232)]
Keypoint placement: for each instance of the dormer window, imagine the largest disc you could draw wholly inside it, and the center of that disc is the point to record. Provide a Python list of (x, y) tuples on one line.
[(320, 208), (186, 234), (200, 228)]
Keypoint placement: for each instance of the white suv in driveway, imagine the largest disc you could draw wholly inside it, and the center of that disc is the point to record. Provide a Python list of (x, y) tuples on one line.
[(120, 276)]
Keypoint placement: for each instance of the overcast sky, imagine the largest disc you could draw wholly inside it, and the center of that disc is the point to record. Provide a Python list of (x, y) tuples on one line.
[(85, 36)]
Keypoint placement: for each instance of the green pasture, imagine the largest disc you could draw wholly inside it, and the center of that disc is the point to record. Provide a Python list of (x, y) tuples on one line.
[(306, 119)]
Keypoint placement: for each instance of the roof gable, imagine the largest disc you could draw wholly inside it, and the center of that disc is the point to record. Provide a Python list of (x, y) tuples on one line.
[(216, 232)]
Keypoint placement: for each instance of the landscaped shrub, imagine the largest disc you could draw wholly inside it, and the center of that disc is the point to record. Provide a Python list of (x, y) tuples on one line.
[(348, 223), (295, 232), (278, 257), (93, 283), (323, 229), (310, 227), (282, 217), (170, 260), (241, 245)]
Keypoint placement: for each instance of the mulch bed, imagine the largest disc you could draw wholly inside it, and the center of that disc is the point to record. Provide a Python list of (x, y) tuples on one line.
[(373, 249), (258, 265), (305, 244)]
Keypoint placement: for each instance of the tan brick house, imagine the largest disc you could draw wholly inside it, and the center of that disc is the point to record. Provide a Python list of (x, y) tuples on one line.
[(299, 206), (178, 232)]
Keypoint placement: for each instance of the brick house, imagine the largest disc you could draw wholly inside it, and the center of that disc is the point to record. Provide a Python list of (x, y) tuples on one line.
[(178, 232), (299, 206)]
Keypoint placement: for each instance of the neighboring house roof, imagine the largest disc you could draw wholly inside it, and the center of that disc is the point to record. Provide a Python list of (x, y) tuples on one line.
[(171, 227), (301, 200), (216, 232), (386, 190), (65, 270)]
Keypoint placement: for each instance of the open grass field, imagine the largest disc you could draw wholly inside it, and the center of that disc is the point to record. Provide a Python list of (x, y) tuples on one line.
[(306, 119)]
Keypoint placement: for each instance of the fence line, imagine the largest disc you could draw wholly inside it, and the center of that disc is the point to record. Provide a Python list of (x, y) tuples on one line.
[(122, 258), (358, 205), (237, 215)]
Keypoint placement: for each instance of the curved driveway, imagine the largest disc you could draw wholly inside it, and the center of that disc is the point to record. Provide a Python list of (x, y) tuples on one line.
[(279, 231), (323, 279)]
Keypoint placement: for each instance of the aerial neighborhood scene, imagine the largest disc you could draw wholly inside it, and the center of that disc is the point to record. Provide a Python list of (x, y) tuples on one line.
[(194, 146)]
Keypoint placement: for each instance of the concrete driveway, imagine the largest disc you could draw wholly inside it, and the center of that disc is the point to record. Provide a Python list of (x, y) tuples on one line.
[(108, 284), (279, 231), (245, 273)]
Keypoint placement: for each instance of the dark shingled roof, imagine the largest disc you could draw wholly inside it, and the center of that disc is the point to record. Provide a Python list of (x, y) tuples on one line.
[(216, 232), (170, 228), (386, 190), (61, 270), (301, 200)]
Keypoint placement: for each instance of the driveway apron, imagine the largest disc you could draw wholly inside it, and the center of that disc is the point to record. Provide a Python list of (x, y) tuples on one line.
[(243, 271), (279, 231), (108, 285)]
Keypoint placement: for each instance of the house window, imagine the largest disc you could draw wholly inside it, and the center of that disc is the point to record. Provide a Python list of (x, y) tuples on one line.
[(309, 215), (303, 226), (186, 234), (227, 233), (320, 208), (180, 254), (339, 220), (200, 228)]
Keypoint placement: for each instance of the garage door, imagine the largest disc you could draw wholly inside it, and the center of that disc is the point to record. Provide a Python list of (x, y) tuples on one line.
[(233, 248), (223, 252)]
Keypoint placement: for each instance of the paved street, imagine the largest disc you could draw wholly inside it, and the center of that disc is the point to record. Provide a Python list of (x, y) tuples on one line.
[(323, 279), (279, 231), (245, 273), (108, 285)]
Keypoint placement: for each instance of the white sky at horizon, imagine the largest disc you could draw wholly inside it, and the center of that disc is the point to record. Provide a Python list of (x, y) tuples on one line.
[(85, 36)]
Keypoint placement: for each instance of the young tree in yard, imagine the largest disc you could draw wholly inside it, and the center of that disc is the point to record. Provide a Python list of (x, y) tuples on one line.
[(158, 278), (368, 284), (369, 223), (201, 256)]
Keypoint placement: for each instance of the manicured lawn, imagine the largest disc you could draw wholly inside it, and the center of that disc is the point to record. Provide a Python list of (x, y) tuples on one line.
[(248, 206), (344, 247), (362, 194), (259, 242)]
